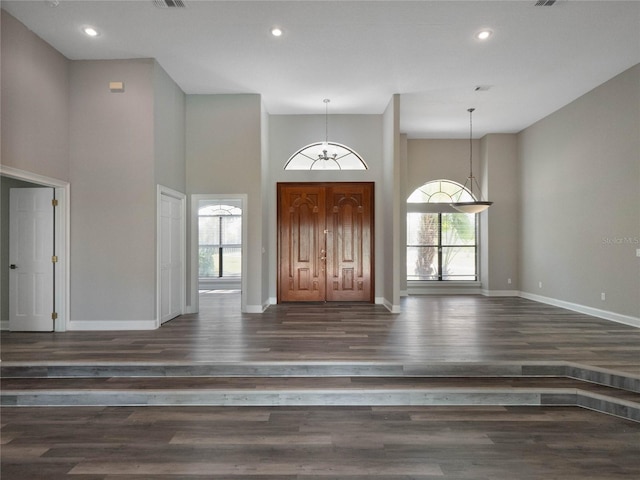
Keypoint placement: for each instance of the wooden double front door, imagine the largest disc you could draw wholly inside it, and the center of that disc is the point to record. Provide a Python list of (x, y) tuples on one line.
[(325, 242)]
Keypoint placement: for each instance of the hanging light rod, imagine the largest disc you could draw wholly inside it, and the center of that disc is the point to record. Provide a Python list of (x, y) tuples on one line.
[(325, 147), (476, 206)]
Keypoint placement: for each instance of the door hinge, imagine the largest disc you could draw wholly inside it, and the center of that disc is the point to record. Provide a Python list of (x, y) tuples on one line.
[(54, 202), (54, 259), (54, 316)]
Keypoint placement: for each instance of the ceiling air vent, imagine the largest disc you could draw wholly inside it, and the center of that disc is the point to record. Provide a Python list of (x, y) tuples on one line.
[(545, 3), (169, 3)]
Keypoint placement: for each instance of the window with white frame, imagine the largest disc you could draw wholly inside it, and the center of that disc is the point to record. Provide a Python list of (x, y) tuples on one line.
[(220, 241), (441, 242)]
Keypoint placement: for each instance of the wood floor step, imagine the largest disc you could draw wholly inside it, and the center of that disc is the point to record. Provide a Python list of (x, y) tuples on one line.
[(305, 391), (612, 378)]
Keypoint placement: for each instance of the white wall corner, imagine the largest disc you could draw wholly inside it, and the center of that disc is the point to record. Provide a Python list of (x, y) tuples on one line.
[(256, 308), (388, 305)]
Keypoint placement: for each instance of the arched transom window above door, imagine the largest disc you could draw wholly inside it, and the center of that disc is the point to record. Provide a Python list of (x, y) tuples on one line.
[(325, 156)]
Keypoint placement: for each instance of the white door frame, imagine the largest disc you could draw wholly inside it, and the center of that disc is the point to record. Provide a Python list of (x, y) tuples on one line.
[(61, 235), (195, 201), (162, 190)]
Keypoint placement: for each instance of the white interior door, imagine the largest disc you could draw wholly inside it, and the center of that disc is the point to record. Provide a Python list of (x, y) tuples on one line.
[(31, 251), (171, 261)]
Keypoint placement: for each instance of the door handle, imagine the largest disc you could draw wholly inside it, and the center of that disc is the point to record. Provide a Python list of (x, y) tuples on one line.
[(12, 266)]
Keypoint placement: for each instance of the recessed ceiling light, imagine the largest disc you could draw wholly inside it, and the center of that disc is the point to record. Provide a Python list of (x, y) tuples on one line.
[(484, 34), (276, 32), (92, 32)]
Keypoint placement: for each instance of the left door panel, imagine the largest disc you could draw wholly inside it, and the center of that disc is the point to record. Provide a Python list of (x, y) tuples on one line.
[(31, 256), (302, 243)]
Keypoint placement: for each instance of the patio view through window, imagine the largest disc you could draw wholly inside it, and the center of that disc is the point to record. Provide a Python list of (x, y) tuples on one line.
[(441, 243), (220, 241)]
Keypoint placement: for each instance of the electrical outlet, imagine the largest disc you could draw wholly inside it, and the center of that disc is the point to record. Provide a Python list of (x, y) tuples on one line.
[(603, 296), (509, 281), (637, 252), (539, 284)]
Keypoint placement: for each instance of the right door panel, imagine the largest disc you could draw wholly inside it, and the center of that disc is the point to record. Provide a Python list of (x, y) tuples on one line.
[(349, 243)]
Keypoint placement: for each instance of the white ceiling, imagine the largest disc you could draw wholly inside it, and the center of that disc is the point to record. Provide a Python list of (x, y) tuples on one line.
[(359, 53)]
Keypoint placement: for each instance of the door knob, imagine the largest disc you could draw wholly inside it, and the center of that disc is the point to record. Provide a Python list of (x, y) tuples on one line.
[(12, 266)]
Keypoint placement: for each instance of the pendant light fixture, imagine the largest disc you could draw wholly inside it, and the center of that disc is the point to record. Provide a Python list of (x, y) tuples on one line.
[(325, 146), (479, 205)]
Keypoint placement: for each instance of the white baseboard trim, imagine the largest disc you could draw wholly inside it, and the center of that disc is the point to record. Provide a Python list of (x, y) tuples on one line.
[(273, 300), (106, 325), (444, 291), (257, 308), (501, 293), (404, 293), (594, 312), (4, 324)]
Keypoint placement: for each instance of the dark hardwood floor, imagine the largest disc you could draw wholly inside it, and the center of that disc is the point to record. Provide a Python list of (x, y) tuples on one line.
[(328, 442), (341, 443), (430, 329)]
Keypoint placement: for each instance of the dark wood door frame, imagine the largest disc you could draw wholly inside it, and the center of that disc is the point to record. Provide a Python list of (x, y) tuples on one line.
[(339, 225)]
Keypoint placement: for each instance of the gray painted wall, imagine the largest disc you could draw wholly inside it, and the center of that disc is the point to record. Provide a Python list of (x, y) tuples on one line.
[(169, 111), (35, 103), (289, 133), (580, 207), (391, 207), (499, 224), (224, 155), (264, 162), (113, 193), (430, 159)]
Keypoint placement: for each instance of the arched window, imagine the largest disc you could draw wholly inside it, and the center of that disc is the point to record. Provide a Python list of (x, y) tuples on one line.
[(441, 242), (440, 191), (325, 156), (220, 241)]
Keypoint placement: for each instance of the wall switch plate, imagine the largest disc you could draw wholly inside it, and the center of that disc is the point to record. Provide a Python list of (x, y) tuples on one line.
[(637, 252), (603, 296)]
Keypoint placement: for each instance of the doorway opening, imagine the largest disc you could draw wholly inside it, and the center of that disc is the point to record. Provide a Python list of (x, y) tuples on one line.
[(56, 303), (218, 246)]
